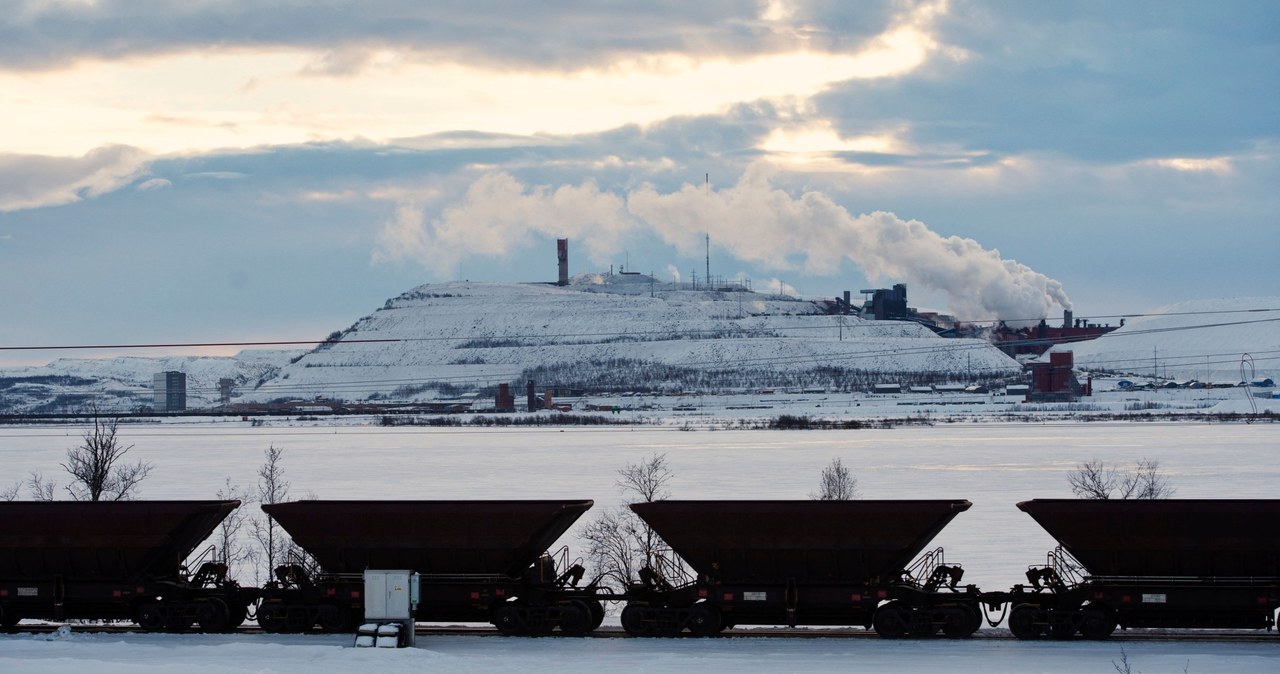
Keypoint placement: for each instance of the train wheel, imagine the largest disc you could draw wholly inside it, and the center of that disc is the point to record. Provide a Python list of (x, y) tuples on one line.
[(150, 617), (1096, 622), (335, 618), (633, 621), (213, 615), (238, 613), (597, 613), (1025, 623), (508, 620), (575, 619), (891, 621), (271, 618), (959, 622), (704, 621)]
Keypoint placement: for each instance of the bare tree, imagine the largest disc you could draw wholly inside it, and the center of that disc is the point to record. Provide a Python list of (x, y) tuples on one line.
[(96, 469), (11, 492), (1096, 480), (646, 479), (836, 483), (272, 488), (619, 544), (227, 537), (40, 490), (611, 545)]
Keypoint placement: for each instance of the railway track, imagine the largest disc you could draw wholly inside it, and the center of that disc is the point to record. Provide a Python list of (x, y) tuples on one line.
[(1123, 636)]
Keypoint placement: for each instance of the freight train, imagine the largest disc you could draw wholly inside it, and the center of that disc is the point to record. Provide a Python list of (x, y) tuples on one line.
[(1168, 563)]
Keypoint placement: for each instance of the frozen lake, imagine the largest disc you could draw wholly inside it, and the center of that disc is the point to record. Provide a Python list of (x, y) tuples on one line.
[(993, 465)]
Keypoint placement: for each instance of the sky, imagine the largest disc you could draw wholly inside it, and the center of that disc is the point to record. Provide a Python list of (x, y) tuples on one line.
[(235, 171)]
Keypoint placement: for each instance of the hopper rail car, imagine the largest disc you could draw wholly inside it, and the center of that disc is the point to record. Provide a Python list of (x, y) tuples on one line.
[(1173, 564)]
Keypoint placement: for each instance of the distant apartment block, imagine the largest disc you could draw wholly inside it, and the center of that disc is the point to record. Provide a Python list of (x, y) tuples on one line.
[(170, 389)]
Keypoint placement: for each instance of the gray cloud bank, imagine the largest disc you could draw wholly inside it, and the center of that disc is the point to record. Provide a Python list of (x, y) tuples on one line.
[(563, 35)]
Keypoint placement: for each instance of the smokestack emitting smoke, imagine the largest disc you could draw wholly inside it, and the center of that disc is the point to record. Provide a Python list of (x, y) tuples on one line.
[(751, 220)]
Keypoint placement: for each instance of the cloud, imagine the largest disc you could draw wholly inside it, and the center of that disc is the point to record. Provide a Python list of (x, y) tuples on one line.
[(1115, 83), (28, 181), (154, 184), (565, 36), (499, 215), (752, 220), (202, 98)]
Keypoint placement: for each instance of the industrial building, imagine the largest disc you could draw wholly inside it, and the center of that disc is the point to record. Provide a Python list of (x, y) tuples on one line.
[(170, 391)]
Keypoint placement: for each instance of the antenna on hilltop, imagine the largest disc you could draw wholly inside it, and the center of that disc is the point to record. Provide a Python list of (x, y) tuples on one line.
[(708, 276)]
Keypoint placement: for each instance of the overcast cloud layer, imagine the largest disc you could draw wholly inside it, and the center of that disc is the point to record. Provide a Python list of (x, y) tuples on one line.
[(219, 171)]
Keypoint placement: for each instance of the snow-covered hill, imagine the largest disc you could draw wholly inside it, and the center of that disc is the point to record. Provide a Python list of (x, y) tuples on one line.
[(617, 330), (626, 332), (1205, 340), (124, 383)]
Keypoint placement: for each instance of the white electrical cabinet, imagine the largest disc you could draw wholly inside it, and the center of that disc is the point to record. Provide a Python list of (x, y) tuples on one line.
[(391, 596)]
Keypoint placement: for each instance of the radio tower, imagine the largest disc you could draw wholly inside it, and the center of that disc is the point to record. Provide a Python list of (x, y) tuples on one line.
[(708, 183)]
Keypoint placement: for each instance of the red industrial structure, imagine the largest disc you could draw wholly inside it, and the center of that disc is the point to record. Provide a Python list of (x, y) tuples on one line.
[(1054, 381), (1040, 338), (504, 401)]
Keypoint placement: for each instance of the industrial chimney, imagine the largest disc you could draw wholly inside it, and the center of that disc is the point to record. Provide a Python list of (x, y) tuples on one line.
[(562, 255), (1066, 318)]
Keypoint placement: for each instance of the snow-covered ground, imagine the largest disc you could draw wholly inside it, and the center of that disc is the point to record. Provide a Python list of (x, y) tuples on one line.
[(994, 465), (146, 653)]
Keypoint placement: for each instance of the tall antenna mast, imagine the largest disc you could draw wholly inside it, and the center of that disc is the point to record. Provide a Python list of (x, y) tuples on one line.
[(708, 277)]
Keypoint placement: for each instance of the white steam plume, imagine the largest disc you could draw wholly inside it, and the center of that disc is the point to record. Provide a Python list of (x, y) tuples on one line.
[(751, 220)]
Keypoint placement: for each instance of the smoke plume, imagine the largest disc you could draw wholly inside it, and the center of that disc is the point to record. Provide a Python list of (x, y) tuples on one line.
[(752, 221)]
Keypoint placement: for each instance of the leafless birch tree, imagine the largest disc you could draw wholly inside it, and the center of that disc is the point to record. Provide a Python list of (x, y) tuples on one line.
[(227, 537), (272, 488), (619, 544), (96, 467), (836, 483), (1096, 480)]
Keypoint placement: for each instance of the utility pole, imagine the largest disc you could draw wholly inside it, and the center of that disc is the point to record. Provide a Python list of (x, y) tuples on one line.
[(708, 276)]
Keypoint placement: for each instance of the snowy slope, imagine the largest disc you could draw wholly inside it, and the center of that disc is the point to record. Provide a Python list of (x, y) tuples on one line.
[(474, 335), (124, 383), (1199, 339)]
